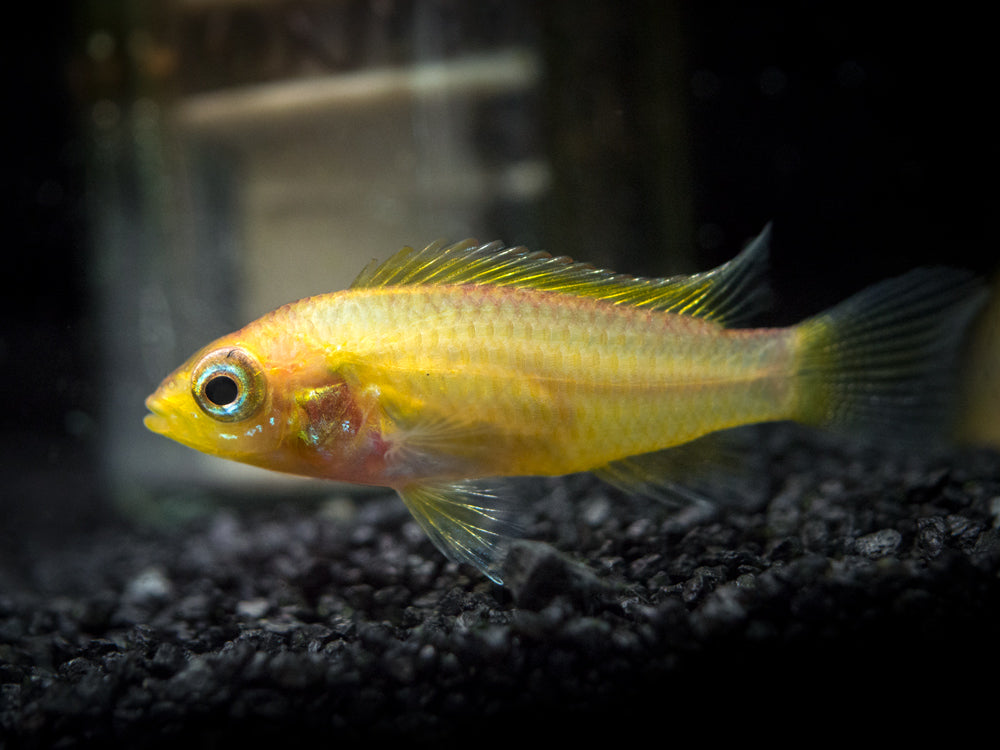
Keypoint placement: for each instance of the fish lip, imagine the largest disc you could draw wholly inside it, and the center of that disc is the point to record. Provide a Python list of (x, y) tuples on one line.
[(157, 420), (155, 423)]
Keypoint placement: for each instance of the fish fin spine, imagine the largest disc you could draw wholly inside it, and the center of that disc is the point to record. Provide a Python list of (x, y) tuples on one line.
[(731, 293)]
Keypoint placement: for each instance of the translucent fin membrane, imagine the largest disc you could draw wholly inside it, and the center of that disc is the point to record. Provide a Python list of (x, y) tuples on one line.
[(730, 293), (722, 468), (884, 362), (468, 523)]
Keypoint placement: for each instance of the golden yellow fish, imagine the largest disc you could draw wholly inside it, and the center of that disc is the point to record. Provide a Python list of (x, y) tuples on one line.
[(441, 368)]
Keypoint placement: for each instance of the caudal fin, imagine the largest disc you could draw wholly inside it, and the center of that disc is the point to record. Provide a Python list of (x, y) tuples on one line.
[(884, 362)]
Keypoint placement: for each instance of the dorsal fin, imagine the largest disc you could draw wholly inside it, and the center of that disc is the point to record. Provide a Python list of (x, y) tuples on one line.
[(730, 293)]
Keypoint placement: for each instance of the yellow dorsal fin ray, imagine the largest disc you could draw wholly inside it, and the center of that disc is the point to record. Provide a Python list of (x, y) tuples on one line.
[(730, 293)]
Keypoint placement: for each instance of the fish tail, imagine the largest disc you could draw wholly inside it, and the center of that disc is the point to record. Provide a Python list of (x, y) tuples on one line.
[(884, 363)]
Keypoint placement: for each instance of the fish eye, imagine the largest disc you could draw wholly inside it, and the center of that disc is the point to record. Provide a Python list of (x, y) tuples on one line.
[(228, 385)]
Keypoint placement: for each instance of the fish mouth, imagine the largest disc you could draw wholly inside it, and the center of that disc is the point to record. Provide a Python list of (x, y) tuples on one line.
[(156, 421)]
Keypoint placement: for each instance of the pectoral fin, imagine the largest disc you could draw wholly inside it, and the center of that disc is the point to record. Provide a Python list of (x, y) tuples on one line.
[(467, 522)]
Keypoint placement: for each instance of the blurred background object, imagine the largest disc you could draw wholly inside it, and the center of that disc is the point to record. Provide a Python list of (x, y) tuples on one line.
[(257, 153), (180, 167), (267, 152)]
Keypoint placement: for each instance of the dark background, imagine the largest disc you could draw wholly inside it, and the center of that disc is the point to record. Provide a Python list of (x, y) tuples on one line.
[(868, 137)]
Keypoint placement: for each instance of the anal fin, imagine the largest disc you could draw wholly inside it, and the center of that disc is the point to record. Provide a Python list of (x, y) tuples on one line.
[(721, 468)]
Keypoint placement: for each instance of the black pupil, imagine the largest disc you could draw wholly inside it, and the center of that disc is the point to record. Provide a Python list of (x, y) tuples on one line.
[(221, 390)]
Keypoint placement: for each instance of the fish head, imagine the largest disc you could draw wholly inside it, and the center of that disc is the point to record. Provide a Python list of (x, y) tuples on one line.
[(223, 401)]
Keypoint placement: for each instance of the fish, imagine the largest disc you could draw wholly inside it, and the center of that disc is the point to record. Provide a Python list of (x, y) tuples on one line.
[(442, 372)]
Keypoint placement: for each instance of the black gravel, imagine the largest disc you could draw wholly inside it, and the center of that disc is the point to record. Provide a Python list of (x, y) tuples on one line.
[(856, 578)]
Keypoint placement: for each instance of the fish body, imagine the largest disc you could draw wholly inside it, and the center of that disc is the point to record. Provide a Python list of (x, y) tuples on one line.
[(439, 370)]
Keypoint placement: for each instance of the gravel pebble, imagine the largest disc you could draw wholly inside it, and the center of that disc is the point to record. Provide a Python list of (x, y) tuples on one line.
[(293, 624)]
